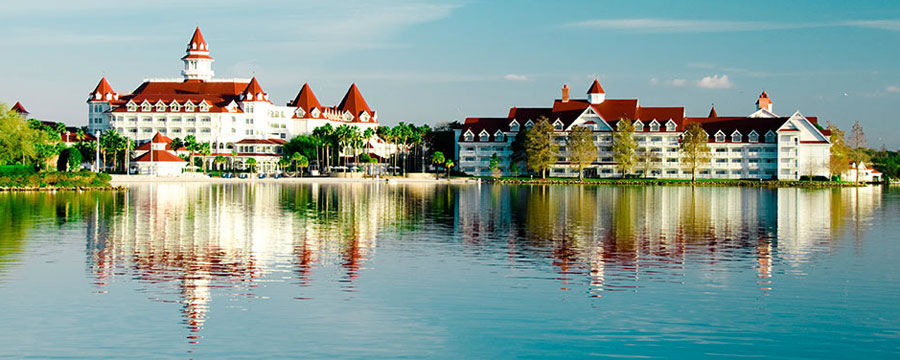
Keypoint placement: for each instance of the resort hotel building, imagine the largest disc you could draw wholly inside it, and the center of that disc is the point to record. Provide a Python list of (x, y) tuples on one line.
[(233, 115), (761, 145)]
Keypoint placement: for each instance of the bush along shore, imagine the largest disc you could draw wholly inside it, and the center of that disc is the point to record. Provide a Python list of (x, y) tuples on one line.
[(673, 182), (51, 181)]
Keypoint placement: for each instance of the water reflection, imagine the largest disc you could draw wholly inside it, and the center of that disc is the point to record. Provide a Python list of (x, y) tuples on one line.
[(189, 244)]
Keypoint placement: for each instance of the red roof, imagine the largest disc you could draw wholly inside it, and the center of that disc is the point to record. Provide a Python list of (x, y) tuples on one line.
[(102, 90), (254, 92), (19, 108), (305, 100), (197, 42), (712, 113), (159, 139), (158, 156), (596, 88), (354, 103), (217, 94)]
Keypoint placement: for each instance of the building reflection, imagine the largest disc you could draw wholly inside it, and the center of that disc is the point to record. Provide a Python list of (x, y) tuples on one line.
[(191, 244), (616, 238)]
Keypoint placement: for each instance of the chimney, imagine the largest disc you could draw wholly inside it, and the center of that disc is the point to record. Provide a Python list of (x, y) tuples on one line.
[(565, 93)]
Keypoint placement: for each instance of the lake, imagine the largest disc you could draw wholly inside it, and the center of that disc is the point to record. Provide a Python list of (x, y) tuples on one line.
[(436, 271)]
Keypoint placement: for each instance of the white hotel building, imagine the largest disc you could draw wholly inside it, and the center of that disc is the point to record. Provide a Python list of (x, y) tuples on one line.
[(761, 145), (223, 112)]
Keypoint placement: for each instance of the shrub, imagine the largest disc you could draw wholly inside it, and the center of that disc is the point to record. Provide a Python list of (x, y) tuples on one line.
[(814, 178), (13, 170)]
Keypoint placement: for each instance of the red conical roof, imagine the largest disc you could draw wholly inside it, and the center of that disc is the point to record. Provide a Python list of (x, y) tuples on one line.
[(197, 42), (305, 99), (712, 113), (596, 88), (764, 98), (102, 90), (19, 108), (254, 92), (354, 103)]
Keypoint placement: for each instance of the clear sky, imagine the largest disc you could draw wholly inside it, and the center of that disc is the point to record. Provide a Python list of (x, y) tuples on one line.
[(427, 61)]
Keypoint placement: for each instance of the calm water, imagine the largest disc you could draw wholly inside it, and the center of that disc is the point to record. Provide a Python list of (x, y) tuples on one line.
[(425, 271)]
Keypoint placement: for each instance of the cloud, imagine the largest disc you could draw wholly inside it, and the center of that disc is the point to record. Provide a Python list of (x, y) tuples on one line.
[(656, 25), (654, 81), (715, 82), (892, 88), (516, 77), (677, 82)]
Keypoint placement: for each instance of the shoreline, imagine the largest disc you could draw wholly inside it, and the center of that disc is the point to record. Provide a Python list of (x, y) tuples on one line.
[(124, 180), (674, 182), (10, 189)]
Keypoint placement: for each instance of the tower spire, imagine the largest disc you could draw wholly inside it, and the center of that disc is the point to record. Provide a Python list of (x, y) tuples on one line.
[(197, 62)]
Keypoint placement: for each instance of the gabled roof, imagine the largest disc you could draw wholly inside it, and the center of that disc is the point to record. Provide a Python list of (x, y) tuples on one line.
[(217, 94), (596, 88), (158, 156), (255, 90), (158, 139), (354, 103), (19, 109), (305, 100), (744, 125), (487, 125)]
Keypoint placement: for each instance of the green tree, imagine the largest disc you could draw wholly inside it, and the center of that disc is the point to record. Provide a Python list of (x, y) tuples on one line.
[(646, 159), (857, 144), (219, 160), (204, 149), (539, 148), (73, 159), (192, 146), (302, 163), (694, 148), (437, 159), (449, 164), (519, 154), (581, 148), (252, 163), (624, 145), (839, 159), (283, 163), (494, 165)]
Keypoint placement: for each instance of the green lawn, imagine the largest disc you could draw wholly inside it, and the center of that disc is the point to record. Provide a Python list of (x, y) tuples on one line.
[(84, 179)]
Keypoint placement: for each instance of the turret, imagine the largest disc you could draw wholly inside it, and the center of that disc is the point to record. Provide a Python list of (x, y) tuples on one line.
[(595, 94), (197, 62), (764, 102)]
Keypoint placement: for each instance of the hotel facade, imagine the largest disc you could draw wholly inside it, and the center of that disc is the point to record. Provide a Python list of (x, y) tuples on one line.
[(233, 115), (761, 145)]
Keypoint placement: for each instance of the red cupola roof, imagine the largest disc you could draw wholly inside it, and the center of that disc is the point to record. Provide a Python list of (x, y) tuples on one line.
[(254, 92), (305, 99), (596, 88), (103, 92), (19, 109), (712, 113), (197, 42), (355, 103)]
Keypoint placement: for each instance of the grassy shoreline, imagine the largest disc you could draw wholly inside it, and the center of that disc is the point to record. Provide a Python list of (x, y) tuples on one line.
[(56, 181), (674, 182)]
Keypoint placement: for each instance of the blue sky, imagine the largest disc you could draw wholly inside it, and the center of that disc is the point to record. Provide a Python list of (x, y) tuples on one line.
[(433, 61)]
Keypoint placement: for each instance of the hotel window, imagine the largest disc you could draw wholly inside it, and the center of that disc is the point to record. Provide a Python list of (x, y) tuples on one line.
[(160, 107), (468, 137), (654, 126), (670, 126), (176, 131), (558, 125), (204, 107), (483, 136), (145, 119), (753, 137), (132, 119), (190, 119), (174, 106), (189, 107), (529, 124), (204, 119), (736, 137), (770, 137), (190, 131), (145, 107), (147, 130), (131, 107), (720, 137), (514, 127), (638, 126), (162, 131), (498, 136)]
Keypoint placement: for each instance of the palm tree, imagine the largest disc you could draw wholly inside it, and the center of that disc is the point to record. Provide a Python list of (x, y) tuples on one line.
[(190, 142), (326, 134), (448, 164), (252, 163), (283, 163), (295, 157), (219, 160), (177, 143), (233, 159), (437, 159), (302, 162), (205, 150)]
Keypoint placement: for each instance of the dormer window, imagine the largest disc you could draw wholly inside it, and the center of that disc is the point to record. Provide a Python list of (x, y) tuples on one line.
[(131, 106), (654, 126), (484, 136), (174, 106), (160, 106), (189, 106), (145, 106), (736, 136), (204, 107), (720, 136), (498, 136), (670, 125), (557, 125), (299, 112), (469, 136), (638, 126), (315, 113), (514, 126), (529, 124), (347, 116), (753, 136), (364, 117), (770, 137)]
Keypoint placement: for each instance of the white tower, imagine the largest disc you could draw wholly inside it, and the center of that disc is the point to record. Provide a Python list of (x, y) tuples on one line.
[(197, 62)]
